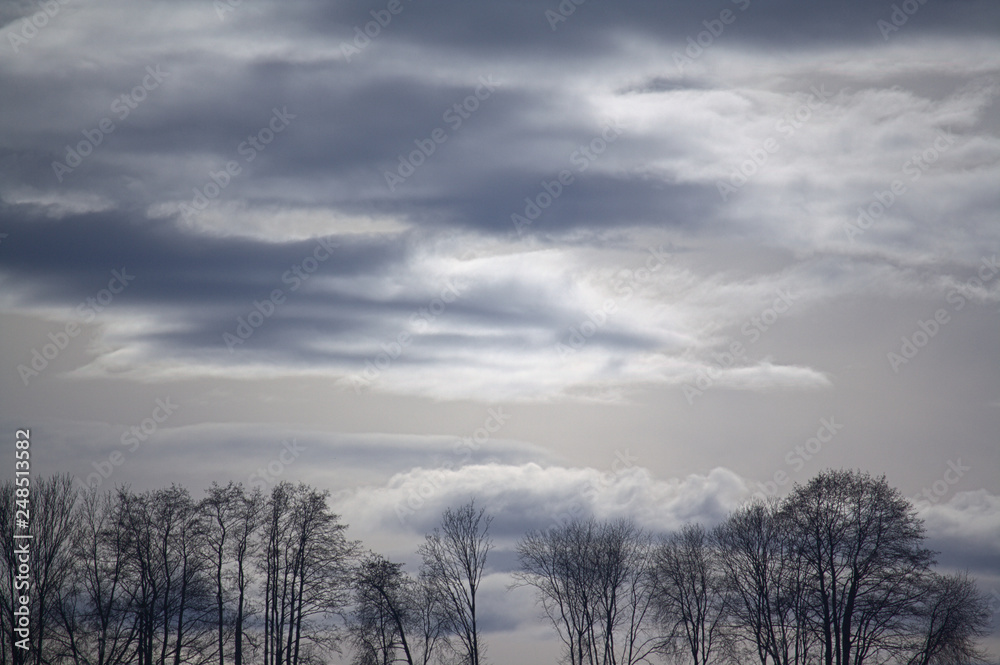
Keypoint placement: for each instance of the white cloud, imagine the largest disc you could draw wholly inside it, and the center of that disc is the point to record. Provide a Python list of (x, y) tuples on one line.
[(530, 496), (968, 521)]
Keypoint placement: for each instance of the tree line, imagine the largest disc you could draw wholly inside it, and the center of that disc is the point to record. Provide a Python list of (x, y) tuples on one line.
[(833, 574)]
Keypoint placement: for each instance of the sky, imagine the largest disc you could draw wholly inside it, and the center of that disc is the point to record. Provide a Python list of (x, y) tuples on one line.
[(569, 258)]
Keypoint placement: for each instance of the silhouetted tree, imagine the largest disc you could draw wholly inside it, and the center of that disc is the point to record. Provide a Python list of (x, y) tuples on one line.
[(766, 579), (52, 500), (382, 614), (593, 583), (948, 619), (691, 593), (454, 557), (97, 612), (232, 518), (396, 618), (248, 519), (860, 543), (306, 563)]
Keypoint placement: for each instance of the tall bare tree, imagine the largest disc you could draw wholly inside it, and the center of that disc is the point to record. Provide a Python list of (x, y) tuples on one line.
[(97, 612), (218, 507), (693, 599), (593, 583), (949, 618), (51, 509), (52, 502), (248, 519), (171, 598), (381, 618), (232, 518), (306, 563), (396, 618), (860, 541), (454, 560), (767, 581)]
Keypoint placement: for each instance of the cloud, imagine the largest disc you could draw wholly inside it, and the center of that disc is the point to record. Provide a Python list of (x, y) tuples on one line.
[(965, 527), (531, 496), (801, 144)]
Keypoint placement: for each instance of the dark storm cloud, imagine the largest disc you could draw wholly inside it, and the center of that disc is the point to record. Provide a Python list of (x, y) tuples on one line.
[(202, 286), (525, 27), (354, 119), (70, 256)]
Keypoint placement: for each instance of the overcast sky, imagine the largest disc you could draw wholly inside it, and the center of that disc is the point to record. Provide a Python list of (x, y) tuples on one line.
[(644, 258)]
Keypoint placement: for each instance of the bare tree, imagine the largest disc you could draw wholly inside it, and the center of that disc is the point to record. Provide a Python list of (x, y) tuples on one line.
[(860, 541), (146, 592), (429, 634), (218, 507), (191, 608), (171, 598), (767, 581), (232, 518), (396, 618), (381, 615), (623, 563), (306, 562), (554, 562), (52, 504), (96, 610), (692, 597), (593, 584), (949, 618), (51, 529), (247, 520), (454, 557)]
